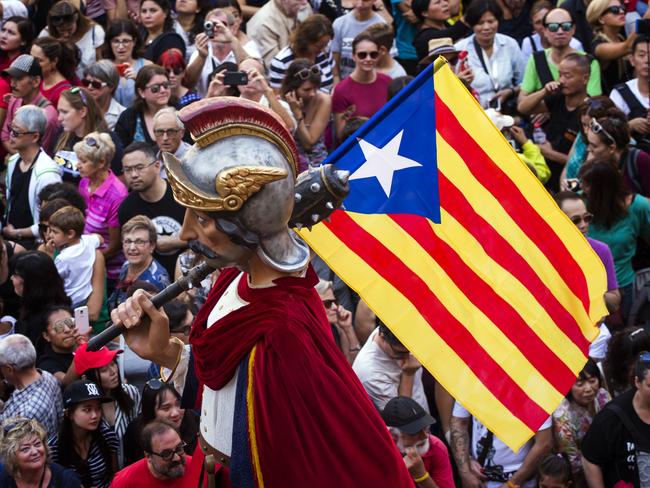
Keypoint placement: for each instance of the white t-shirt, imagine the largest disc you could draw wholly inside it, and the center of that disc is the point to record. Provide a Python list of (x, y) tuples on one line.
[(75, 266), (87, 45), (619, 101), (380, 375), (213, 62), (500, 455)]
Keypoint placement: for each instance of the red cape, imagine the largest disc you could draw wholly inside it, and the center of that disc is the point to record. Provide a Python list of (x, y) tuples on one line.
[(312, 423)]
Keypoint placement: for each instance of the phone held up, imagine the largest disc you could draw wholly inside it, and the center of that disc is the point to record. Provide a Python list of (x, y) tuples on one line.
[(81, 320)]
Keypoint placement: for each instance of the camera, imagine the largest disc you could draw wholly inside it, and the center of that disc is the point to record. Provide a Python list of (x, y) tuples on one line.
[(235, 78), (208, 28)]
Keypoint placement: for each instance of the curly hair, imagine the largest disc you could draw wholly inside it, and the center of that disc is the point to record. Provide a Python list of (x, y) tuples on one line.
[(16, 430)]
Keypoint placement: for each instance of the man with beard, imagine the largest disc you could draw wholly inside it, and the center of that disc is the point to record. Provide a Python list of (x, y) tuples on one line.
[(163, 464), (151, 196), (426, 456)]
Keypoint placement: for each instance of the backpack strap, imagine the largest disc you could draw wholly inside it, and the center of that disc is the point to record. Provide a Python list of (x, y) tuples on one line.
[(633, 103), (541, 66), (632, 168)]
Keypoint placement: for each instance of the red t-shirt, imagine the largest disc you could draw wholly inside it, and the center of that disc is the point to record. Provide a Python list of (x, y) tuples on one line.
[(436, 461), (138, 476), (368, 98)]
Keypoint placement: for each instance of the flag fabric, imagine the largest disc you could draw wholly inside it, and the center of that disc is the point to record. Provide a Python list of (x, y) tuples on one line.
[(457, 247)]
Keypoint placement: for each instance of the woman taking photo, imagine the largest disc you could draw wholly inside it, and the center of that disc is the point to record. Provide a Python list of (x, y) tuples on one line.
[(365, 91), (572, 418), (139, 237), (85, 442), (620, 218), (122, 400), (58, 62), (67, 24), (26, 458), (310, 107), (152, 93), (103, 194), (160, 401), (172, 60), (79, 115), (158, 32), (310, 41), (495, 59), (39, 286), (609, 46), (123, 47)]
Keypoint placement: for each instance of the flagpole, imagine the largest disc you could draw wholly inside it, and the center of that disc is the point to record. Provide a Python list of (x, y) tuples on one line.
[(439, 63)]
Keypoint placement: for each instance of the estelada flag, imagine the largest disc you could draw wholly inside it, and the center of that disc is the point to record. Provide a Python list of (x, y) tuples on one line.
[(462, 253)]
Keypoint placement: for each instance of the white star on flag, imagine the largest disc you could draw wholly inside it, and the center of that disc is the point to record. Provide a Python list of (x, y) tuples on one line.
[(381, 163)]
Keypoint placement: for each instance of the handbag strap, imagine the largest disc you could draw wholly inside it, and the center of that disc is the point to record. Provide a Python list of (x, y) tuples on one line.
[(479, 53)]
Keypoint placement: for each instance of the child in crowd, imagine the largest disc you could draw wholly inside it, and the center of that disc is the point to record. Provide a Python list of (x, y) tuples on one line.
[(75, 253), (554, 471)]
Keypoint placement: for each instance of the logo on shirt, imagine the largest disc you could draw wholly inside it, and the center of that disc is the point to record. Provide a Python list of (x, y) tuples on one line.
[(166, 227)]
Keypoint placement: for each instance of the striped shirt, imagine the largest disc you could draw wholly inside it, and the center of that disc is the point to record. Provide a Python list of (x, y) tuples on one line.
[(93, 470), (101, 214), (122, 419), (285, 57)]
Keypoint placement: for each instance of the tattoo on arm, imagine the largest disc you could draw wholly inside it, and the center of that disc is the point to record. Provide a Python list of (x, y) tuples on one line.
[(460, 442)]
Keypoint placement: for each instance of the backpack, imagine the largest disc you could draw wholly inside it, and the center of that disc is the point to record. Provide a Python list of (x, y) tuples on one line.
[(640, 311)]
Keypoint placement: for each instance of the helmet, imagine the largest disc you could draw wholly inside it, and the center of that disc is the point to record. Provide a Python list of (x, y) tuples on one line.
[(242, 171)]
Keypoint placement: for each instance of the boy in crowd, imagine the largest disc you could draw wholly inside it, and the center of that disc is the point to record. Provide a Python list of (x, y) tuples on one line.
[(76, 252)]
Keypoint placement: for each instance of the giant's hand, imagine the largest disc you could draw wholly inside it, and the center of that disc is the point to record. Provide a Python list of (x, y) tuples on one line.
[(147, 328)]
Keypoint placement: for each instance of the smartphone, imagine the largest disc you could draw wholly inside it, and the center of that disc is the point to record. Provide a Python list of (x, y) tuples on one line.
[(234, 78), (121, 68), (81, 319), (643, 27)]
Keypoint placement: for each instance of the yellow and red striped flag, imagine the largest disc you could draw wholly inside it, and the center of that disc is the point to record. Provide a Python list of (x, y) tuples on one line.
[(499, 294)]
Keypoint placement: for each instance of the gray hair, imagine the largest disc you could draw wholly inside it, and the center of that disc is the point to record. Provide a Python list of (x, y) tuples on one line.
[(168, 111), (32, 119), (105, 71), (323, 285), (18, 351)]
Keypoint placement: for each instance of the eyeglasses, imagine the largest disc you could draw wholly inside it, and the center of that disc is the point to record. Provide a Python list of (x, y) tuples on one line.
[(156, 87), (165, 132), (62, 19), (168, 454), (136, 169), (60, 325), (556, 26), (614, 9), (78, 91), (304, 73), (121, 42), (596, 128), (136, 242), (16, 133), (586, 218), (365, 54), (177, 71), (93, 83)]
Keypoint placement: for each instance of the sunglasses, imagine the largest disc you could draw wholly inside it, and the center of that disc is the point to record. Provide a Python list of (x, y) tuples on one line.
[(177, 71), (305, 73), (91, 141), (328, 303), (15, 133), (63, 324), (168, 454), (78, 91), (365, 54), (154, 384), (586, 218), (94, 84), (156, 88), (556, 26), (596, 128), (615, 9), (62, 19)]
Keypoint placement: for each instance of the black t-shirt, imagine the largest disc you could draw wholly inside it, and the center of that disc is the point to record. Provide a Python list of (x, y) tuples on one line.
[(518, 27), (422, 37), (609, 445), (54, 362), (612, 72), (20, 213), (166, 214), (561, 130)]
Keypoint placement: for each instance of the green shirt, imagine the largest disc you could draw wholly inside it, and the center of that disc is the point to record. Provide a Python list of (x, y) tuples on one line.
[(532, 83), (622, 236)]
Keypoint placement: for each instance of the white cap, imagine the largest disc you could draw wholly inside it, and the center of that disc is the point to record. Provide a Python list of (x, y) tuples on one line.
[(500, 120)]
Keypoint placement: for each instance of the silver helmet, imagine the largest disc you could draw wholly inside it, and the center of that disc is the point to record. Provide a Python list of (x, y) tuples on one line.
[(242, 171)]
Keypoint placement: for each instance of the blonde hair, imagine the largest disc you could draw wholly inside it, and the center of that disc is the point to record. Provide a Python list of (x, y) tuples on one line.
[(96, 147), (16, 430), (595, 11), (141, 222)]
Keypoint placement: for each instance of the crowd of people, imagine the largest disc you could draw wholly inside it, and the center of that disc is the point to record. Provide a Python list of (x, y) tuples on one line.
[(89, 99)]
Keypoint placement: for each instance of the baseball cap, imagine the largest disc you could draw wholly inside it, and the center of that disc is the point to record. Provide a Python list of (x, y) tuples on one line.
[(85, 360), (407, 415), (24, 65), (82, 391)]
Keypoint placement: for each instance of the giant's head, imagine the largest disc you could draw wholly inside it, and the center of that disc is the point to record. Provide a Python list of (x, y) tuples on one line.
[(241, 172)]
